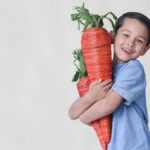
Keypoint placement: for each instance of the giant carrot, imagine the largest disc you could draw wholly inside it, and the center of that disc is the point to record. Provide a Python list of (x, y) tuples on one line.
[(97, 56), (96, 50)]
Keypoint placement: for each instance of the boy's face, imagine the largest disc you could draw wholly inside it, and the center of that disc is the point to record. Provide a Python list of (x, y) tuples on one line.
[(130, 40)]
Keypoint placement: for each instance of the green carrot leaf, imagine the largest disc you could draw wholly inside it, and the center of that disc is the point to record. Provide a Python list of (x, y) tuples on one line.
[(79, 64), (85, 18), (75, 77)]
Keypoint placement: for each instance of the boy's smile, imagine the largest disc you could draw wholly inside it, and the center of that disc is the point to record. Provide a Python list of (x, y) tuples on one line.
[(127, 51), (130, 41)]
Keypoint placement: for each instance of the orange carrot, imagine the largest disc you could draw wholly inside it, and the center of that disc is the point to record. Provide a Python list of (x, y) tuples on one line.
[(96, 47), (82, 86), (81, 73), (96, 51)]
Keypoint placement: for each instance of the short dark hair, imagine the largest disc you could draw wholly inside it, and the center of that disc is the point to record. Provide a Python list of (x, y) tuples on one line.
[(134, 15)]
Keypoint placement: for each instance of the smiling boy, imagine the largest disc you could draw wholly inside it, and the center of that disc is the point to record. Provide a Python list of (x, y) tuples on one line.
[(126, 99)]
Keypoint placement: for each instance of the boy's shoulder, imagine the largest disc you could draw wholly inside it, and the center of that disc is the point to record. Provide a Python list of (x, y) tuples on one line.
[(135, 64), (130, 68)]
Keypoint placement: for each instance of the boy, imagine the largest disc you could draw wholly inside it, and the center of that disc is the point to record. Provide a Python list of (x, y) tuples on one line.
[(126, 98)]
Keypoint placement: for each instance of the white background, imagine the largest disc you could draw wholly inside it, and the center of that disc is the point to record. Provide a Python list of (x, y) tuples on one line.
[(37, 38)]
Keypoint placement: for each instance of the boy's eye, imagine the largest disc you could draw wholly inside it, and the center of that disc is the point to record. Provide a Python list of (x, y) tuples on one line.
[(140, 41), (125, 35)]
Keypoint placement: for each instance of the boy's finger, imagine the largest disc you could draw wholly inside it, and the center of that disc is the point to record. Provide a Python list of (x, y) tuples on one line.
[(106, 82), (95, 82), (107, 87)]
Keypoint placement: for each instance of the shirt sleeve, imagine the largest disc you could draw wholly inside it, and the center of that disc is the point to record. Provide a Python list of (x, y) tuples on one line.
[(130, 83)]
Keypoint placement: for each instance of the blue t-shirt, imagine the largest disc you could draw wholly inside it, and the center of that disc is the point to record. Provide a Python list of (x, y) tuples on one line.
[(130, 120)]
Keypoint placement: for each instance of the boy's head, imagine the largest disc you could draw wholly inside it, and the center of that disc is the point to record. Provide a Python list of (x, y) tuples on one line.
[(134, 15), (132, 36)]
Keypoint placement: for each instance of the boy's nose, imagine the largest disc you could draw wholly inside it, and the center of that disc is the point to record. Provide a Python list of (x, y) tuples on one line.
[(131, 43)]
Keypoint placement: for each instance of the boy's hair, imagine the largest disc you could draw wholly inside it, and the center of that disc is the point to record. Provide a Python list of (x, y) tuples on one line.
[(134, 15)]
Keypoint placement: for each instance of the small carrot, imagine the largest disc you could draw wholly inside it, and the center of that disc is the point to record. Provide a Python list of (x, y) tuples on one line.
[(81, 73), (96, 50)]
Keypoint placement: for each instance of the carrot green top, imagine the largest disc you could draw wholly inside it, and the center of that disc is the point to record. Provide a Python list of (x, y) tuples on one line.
[(87, 19), (80, 65)]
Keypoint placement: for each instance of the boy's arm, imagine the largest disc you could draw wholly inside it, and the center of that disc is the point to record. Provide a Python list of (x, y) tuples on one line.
[(79, 106), (101, 108), (97, 90)]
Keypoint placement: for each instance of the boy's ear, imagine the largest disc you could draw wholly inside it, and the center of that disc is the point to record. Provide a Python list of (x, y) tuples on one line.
[(146, 49), (112, 35)]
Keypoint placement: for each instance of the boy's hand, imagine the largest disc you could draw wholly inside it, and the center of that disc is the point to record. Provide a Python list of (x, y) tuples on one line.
[(98, 89)]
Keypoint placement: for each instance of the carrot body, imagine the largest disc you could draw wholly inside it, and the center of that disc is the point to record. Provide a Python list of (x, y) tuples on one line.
[(96, 49), (82, 86)]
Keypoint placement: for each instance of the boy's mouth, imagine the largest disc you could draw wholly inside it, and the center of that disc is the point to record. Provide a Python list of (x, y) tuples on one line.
[(127, 51)]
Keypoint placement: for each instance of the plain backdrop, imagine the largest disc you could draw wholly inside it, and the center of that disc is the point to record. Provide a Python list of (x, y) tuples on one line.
[(37, 38)]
